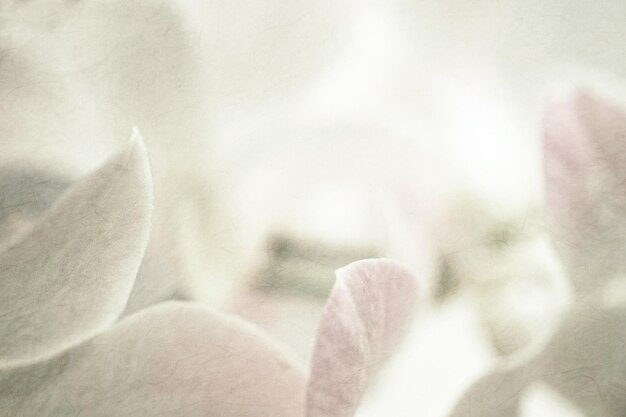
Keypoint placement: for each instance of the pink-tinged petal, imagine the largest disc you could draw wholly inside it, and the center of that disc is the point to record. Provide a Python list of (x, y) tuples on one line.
[(363, 321), (172, 360), (585, 174), (289, 318), (70, 275)]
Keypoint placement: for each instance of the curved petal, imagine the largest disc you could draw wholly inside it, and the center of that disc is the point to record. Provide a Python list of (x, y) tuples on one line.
[(173, 360), (70, 275), (540, 400), (362, 322), (585, 363), (445, 352), (585, 160), (495, 395)]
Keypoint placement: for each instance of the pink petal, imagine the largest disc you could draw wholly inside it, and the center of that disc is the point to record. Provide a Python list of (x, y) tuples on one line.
[(70, 275), (585, 170), (173, 360), (361, 324)]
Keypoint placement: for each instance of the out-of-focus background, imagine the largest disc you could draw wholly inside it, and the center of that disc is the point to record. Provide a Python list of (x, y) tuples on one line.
[(289, 138)]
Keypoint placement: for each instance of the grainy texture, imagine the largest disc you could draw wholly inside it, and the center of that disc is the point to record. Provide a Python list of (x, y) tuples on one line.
[(585, 170), (172, 360), (362, 323), (584, 363), (70, 275)]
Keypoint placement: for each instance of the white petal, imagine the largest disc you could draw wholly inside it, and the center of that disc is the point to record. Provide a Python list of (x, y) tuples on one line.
[(71, 274), (26, 192), (445, 353), (585, 160), (542, 401), (362, 322), (176, 359), (496, 395), (585, 363)]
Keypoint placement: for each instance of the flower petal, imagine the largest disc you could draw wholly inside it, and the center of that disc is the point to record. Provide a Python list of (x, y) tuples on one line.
[(71, 274), (585, 160), (26, 193), (175, 359), (445, 352), (495, 395), (540, 400), (585, 363), (362, 322)]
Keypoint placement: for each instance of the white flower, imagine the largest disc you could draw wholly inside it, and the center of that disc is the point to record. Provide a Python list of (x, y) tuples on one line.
[(78, 75), (66, 280), (584, 361)]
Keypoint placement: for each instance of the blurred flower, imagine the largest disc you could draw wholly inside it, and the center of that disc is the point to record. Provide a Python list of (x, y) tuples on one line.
[(78, 75), (583, 363), (289, 139), (67, 278)]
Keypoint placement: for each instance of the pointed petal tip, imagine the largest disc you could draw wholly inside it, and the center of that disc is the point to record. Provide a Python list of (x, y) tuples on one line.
[(71, 275), (136, 145), (132, 158), (132, 161), (136, 135), (136, 152)]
